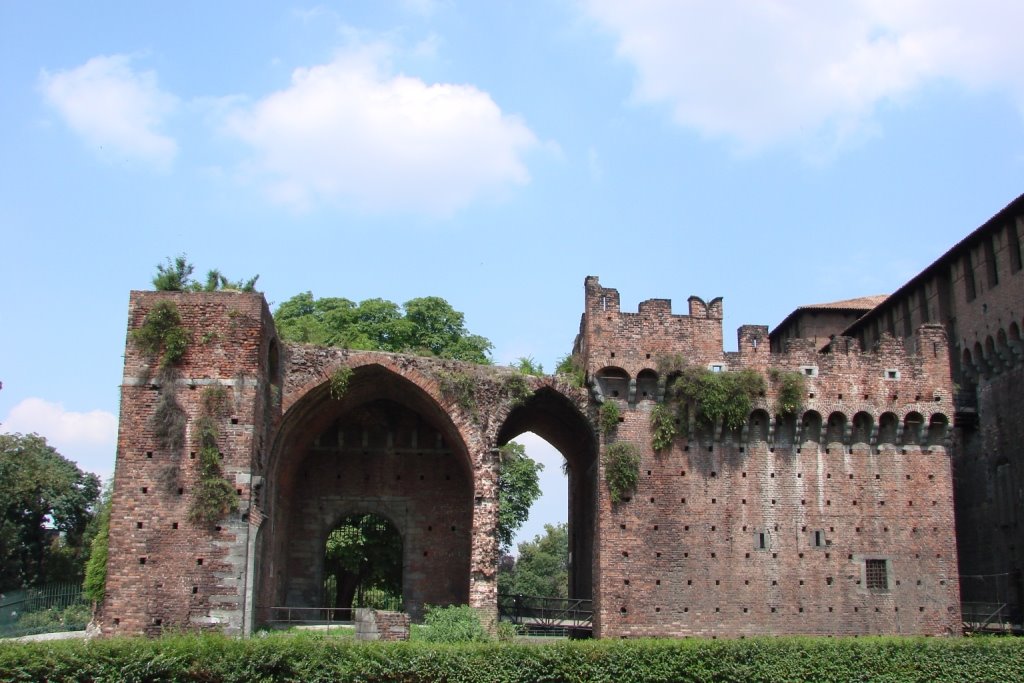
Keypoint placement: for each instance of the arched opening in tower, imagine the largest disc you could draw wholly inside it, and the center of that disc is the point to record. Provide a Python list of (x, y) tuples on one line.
[(555, 419), (382, 450)]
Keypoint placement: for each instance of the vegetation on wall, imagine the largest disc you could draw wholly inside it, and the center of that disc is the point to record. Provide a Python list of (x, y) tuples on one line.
[(608, 417), (708, 396), (162, 334), (427, 326), (516, 388), (621, 469), (725, 396), (663, 426), (176, 276), (518, 488), (790, 391), (571, 366), (213, 496), (459, 387), (528, 366), (168, 420), (338, 382)]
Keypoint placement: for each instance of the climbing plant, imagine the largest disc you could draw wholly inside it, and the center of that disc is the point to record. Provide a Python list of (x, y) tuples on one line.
[(214, 496), (621, 469), (458, 386), (663, 426), (789, 392), (162, 334), (516, 388), (727, 396), (608, 416), (571, 365), (338, 382)]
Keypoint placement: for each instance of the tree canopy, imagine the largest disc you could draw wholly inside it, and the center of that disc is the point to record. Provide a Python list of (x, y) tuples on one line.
[(47, 504), (542, 568), (364, 551), (427, 326), (518, 488)]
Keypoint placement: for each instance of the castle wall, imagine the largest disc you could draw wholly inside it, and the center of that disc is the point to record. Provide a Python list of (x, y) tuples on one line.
[(164, 570), (976, 291), (774, 528)]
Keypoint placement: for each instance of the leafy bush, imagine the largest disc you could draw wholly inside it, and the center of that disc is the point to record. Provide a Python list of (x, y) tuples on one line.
[(608, 416), (162, 332), (727, 396), (790, 392), (338, 383), (571, 365), (319, 659), (621, 469), (663, 426), (516, 388), (453, 624), (459, 387)]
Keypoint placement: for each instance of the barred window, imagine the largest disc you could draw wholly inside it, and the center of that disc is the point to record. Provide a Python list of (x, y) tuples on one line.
[(875, 575)]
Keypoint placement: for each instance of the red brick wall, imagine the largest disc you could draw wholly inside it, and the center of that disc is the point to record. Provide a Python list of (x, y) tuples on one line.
[(164, 571), (681, 556)]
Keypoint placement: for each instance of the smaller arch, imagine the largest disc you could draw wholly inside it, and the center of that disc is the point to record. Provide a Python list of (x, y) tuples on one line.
[(938, 427), (912, 426), (1013, 332), (785, 430), (614, 382), (757, 426), (863, 424), (979, 359), (646, 385), (811, 427), (888, 429), (836, 428)]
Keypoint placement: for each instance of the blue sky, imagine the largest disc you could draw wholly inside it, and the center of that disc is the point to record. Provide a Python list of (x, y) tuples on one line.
[(774, 153)]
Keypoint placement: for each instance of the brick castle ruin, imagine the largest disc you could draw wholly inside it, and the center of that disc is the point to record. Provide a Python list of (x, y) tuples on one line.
[(836, 518)]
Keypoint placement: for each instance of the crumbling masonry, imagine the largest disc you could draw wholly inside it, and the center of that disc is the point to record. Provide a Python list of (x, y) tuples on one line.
[(836, 518)]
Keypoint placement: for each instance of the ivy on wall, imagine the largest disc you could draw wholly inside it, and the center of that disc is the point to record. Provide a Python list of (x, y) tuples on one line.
[(621, 469), (214, 496)]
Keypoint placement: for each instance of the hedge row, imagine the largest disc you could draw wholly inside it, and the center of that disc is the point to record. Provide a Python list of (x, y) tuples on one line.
[(310, 658)]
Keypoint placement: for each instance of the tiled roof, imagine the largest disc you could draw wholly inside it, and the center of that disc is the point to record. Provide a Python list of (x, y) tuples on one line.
[(862, 303)]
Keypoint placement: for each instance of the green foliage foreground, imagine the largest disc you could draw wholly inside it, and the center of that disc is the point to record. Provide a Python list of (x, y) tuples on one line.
[(312, 658)]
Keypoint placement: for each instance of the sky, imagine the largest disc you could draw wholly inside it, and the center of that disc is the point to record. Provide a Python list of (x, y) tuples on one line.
[(491, 153)]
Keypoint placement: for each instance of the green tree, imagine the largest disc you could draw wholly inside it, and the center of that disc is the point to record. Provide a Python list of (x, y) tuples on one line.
[(364, 551), (47, 504), (427, 326), (542, 568), (518, 488)]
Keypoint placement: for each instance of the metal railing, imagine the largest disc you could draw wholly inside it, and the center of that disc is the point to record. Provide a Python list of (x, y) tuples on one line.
[(308, 616), (552, 616)]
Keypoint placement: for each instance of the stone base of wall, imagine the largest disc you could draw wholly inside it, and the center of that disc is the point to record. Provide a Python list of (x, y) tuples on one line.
[(372, 624)]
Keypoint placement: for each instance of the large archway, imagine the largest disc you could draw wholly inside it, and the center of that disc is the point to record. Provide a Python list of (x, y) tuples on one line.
[(382, 447), (556, 419)]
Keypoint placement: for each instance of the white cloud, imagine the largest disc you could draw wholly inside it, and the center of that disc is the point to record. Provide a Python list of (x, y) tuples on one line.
[(758, 73), (350, 131), (115, 108), (90, 439)]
